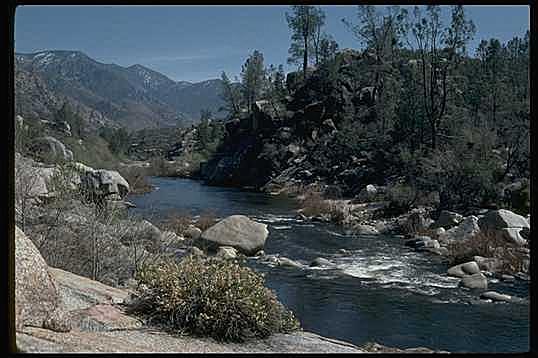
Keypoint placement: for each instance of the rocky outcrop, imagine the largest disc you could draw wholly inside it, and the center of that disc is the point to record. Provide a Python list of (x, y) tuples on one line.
[(36, 295), (500, 219), (50, 149), (152, 340), (237, 231), (447, 220), (78, 292), (379, 348), (100, 324), (466, 230), (105, 183), (298, 139), (505, 225), (33, 179)]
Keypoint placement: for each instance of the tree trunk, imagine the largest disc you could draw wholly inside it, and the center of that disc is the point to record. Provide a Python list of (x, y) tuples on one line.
[(434, 135), (305, 58)]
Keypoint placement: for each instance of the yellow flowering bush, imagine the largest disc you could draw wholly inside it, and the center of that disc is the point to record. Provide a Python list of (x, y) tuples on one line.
[(211, 297)]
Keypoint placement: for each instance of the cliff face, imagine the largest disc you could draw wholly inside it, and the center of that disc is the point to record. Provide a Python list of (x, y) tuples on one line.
[(303, 139)]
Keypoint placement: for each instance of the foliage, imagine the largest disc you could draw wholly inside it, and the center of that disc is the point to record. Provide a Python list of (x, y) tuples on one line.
[(252, 78), (211, 297), (117, 139), (401, 197), (209, 133), (231, 95), (73, 119), (305, 22)]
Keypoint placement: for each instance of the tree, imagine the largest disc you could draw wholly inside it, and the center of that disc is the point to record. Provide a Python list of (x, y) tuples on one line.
[(381, 34), (252, 78), (66, 114), (327, 48), (117, 139), (318, 35), (439, 53), (275, 88), (204, 132), (304, 21), (231, 96)]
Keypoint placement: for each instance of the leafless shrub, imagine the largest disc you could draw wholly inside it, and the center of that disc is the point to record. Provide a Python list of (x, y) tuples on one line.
[(206, 220), (26, 180), (313, 204), (137, 177), (177, 222), (487, 245)]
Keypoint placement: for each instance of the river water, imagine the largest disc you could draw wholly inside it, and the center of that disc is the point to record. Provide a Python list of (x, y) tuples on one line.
[(380, 291)]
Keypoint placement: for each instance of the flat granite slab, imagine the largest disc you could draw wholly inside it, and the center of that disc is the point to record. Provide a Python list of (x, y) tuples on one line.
[(34, 340)]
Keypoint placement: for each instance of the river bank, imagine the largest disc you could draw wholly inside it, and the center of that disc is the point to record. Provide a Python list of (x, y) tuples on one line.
[(376, 268)]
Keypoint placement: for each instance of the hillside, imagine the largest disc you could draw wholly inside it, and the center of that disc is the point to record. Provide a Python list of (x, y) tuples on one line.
[(134, 97)]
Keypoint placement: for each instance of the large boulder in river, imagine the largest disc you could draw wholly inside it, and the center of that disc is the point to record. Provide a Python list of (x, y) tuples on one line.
[(477, 280), (237, 231), (50, 149), (462, 270), (36, 296), (496, 296)]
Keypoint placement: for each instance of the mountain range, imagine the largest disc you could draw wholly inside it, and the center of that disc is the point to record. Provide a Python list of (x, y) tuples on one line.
[(134, 97)]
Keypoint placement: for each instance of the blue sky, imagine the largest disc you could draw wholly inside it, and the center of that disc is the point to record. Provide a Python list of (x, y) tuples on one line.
[(195, 43)]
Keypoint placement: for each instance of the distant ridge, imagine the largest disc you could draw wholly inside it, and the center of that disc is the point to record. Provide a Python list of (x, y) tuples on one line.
[(108, 94)]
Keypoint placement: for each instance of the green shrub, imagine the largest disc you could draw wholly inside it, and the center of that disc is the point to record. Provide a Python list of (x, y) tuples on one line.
[(211, 297), (401, 197)]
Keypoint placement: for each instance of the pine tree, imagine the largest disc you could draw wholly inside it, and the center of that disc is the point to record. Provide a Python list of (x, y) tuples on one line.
[(304, 21), (252, 79)]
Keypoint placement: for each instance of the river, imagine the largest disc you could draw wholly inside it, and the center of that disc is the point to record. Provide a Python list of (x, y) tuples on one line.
[(381, 290)]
